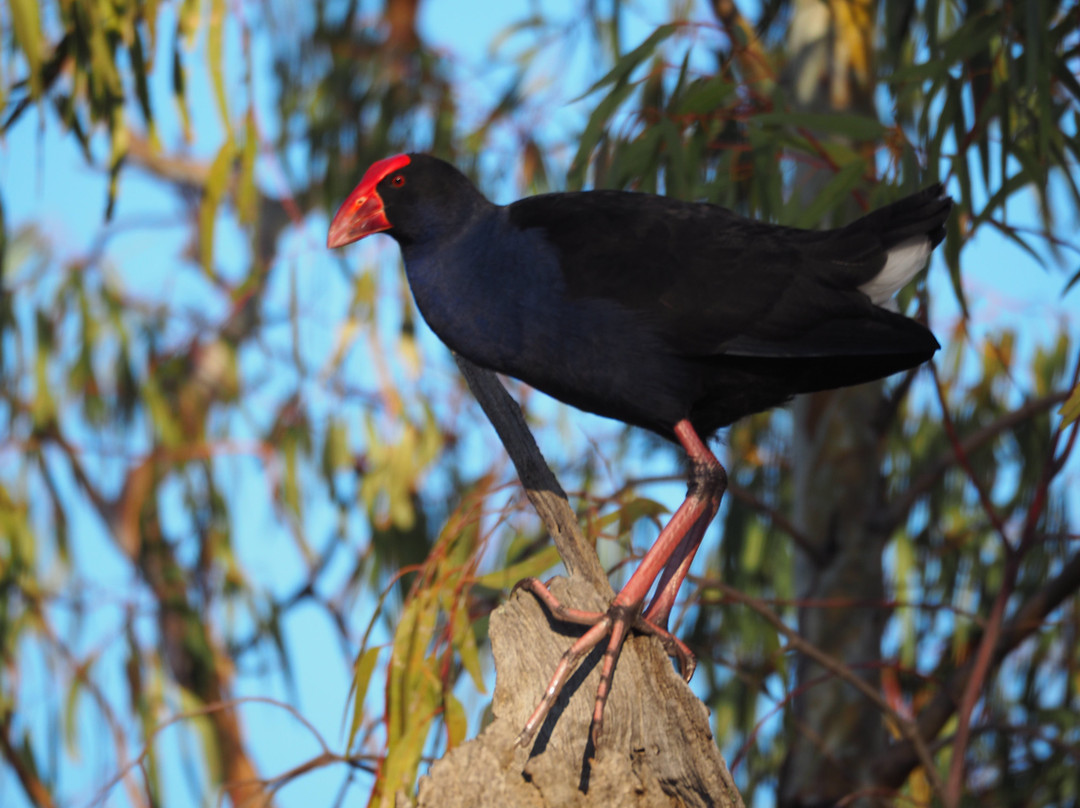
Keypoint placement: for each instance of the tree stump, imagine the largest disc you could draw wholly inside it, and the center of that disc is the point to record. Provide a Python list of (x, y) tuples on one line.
[(657, 748)]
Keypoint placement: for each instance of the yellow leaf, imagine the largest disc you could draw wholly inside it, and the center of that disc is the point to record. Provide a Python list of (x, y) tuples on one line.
[(216, 183), (464, 640), (1070, 410), (457, 726), (530, 567), (215, 61), (26, 22), (362, 671)]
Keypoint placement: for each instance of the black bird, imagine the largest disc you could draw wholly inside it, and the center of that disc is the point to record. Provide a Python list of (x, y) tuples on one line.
[(677, 317)]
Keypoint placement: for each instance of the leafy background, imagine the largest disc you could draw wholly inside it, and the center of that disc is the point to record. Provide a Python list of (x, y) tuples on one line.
[(252, 525)]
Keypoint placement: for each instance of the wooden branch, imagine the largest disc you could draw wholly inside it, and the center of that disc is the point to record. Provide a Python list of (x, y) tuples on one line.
[(544, 492), (894, 766), (657, 748), (35, 790)]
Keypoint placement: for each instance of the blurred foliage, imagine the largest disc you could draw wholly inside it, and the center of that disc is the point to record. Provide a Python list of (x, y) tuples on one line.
[(149, 437)]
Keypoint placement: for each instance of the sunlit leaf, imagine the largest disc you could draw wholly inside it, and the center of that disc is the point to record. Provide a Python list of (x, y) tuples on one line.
[(463, 637), (362, 670), (215, 33), (457, 725), (531, 567), (217, 181), (1070, 410), (26, 23)]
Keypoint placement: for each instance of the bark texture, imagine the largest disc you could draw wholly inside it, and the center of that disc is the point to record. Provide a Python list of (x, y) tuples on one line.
[(839, 492), (657, 748)]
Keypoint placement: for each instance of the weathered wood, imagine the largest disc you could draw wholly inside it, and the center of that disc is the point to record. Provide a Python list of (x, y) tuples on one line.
[(544, 492), (657, 748)]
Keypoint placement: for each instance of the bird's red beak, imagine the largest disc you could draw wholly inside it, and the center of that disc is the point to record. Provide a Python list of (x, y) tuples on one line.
[(362, 213)]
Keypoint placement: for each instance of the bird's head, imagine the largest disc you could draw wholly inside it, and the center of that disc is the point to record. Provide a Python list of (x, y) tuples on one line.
[(412, 197)]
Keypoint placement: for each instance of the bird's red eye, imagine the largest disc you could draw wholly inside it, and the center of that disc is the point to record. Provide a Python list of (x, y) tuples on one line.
[(398, 180)]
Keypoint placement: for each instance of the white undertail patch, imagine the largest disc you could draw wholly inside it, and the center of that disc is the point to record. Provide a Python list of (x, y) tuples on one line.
[(904, 262)]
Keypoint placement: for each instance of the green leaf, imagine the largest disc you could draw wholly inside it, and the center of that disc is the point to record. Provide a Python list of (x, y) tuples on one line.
[(593, 130), (463, 638), (1001, 196), (627, 63), (934, 69), (969, 39), (247, 195), (290, 484), (830, 197), (71, 712), (954, 241), (847, 124), (397, 683), (675, 176), (531, 567), (753, 550), (187, 21), (119, 148), (403, 757), (706, 96), (179, 84), (203, 727), (1070, 410), (105, 82), (215, 60), (336, 454), (43, 408), (960, 134), (140, 70), (633, 159), (362, 670), (410, 675), (26, 22), (216, 182), (904, 572), (457, 725)]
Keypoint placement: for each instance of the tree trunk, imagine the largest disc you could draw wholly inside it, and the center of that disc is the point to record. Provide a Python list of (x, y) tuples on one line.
[(657, 748), (836, 733)]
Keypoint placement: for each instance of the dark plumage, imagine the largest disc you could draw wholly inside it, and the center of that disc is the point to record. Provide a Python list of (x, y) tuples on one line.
[(648, 309), (674, 316)]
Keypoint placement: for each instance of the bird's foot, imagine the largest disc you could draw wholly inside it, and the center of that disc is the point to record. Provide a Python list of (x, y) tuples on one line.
[(615, 624)]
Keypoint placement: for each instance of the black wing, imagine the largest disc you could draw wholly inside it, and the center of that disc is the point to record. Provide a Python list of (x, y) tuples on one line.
[(712, 282)]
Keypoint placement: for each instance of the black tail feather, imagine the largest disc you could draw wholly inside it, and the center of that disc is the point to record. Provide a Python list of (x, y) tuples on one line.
[(921, 214)]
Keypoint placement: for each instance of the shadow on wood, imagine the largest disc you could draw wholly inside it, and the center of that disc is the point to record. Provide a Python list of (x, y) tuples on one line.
[(657, 748)]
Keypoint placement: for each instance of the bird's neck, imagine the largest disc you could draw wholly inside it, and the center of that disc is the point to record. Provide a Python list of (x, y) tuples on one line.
[(470, 286)]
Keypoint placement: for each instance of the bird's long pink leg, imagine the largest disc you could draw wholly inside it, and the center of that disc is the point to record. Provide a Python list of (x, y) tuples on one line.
[(679, 564), (671, 553), (675, 571)]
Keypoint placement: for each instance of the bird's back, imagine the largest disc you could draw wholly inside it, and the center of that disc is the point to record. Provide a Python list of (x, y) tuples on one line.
[(747, 314)]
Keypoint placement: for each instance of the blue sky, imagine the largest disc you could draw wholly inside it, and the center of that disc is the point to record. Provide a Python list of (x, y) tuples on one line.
[(45, 180)]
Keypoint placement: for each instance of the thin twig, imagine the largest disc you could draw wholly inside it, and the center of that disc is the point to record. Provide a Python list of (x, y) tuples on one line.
[(965, 462), (907, 727), (900, 507), (894, 766), (202, 712)]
